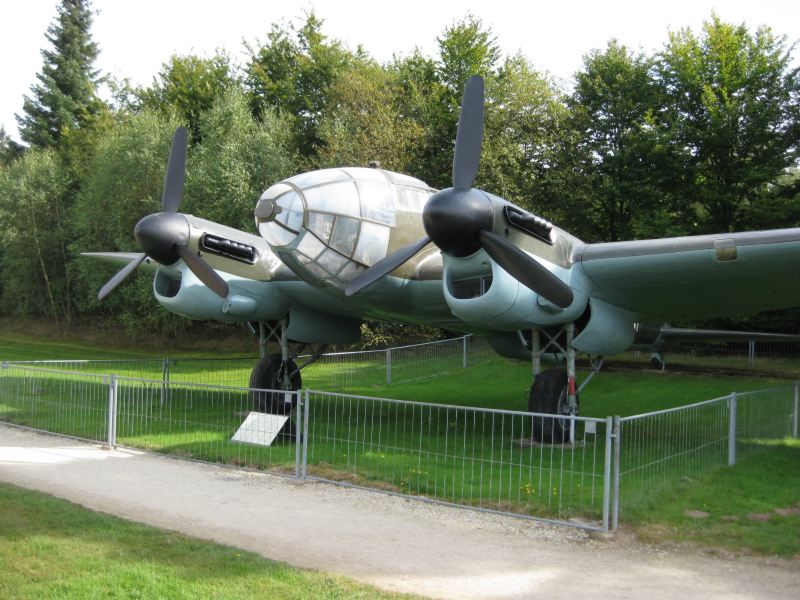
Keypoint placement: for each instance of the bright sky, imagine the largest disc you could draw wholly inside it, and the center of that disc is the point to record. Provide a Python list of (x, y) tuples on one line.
[(135, 38)]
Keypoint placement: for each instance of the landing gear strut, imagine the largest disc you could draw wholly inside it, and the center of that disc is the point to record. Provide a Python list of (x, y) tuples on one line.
[(278, 373), (554, 392)]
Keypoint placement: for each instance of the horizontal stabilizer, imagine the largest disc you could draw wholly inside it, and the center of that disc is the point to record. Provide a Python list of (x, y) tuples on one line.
[(674, 334), (658, 338)]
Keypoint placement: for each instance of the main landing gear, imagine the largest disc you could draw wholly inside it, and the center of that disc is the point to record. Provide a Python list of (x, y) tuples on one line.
[(555, 392), (277, 373)]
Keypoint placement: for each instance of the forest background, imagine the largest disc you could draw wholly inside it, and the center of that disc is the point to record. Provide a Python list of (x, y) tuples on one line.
[(702, 136)]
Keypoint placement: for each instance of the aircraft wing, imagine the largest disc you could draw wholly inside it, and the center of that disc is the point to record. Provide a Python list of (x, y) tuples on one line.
[(696, 277), (123, 258)]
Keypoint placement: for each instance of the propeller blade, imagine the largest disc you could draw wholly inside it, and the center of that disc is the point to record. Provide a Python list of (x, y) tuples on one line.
[(385, 266), (203, 271), (525, 269), (470, 135), (176, 172), (121, 275)]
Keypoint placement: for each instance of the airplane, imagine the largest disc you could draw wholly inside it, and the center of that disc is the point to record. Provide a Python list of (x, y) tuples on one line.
[(337, 246)]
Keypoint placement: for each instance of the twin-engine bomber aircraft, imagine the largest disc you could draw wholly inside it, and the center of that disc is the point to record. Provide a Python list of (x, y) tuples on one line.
[(341, 245)]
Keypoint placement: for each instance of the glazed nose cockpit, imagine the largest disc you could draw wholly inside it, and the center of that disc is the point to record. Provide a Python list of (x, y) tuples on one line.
[(331, 224)]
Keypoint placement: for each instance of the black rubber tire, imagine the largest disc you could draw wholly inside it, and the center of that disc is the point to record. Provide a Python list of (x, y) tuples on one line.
[(549, 396), (266, 375)]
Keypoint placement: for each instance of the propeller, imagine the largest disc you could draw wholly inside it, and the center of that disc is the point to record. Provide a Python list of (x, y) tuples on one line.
[(164, 236), (460, 219)]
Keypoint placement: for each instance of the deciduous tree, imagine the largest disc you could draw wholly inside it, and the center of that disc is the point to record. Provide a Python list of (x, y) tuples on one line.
[(364, 122), (239, 158), (292, 73), (33, 229), (189, 86), (614, 112), (734, 99)]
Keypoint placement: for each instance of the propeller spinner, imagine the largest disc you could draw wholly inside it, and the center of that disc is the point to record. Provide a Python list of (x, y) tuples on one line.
[(460, 219), (164, 236)]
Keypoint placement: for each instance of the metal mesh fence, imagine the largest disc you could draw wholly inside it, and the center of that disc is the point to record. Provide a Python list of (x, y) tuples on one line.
[(368, 368), (764, 416), (333, 371), (485, 459), (134, 367), (210, 371), (747, 351), (659, 450), (481, 458), (756, 355), (68, 403), (198, 421)]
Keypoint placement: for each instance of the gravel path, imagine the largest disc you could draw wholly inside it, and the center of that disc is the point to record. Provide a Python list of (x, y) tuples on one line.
[(394, 543)]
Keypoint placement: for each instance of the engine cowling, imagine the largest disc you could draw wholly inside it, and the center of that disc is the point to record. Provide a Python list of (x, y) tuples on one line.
[(484, 295), (178, 290)]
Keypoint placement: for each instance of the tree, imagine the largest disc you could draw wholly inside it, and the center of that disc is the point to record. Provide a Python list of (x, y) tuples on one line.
[(66, 93), (417, 92), (615, 147), (189, 85), (522, 131), (363, 122), (466, 48), (33, 231), (734, 100), (9, 149), (293, 74), (239, 158)]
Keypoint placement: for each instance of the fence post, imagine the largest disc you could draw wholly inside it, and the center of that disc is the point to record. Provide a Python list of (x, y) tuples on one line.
[(164, 380), (607, 474), (751, 353), (298, 431), (732, 430), (617, 455), (388, 366), (465, 351), (112, 412), (796, 408), (304, 461)]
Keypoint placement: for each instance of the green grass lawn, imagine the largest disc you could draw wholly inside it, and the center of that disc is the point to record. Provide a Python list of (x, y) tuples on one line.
[(50, 548), (458, 455), (741, 503)]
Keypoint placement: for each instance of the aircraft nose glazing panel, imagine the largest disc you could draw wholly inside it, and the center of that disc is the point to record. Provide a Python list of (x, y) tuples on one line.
[(280, 213), (331, 224)]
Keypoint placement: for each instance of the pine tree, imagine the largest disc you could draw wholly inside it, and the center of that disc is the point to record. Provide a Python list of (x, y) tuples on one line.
[(66, 93)]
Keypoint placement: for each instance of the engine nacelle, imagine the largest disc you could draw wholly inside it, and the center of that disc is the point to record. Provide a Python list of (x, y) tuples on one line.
[(481, 293), (179, 291), (609, 330)]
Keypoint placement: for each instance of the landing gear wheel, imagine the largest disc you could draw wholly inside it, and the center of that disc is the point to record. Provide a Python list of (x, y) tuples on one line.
[(657, 361), (549, 395), (268, 374)]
